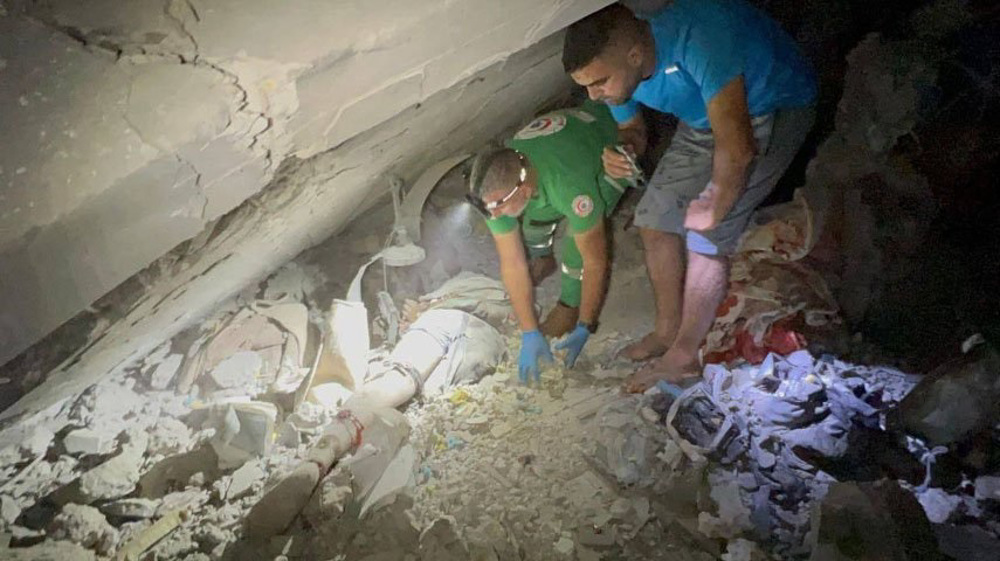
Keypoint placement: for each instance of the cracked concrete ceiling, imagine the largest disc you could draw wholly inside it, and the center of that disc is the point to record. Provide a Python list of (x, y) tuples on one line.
[(133, 127)]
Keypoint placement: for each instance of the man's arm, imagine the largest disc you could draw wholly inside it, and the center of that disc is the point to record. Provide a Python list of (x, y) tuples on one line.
[(593, 247), (632, 134), (735, 149), (517, 280)]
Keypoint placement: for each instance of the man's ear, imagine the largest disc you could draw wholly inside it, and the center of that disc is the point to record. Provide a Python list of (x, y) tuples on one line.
[(634, 56)]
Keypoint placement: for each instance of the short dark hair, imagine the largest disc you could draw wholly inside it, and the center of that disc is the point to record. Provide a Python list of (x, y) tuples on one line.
[(588, 38), (502, 172)]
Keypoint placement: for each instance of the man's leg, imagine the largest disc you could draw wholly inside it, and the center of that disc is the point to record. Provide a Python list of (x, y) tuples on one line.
[(538, 239), (562, 318), (707, 277), (664, 253), (680, 176), (705, 286)]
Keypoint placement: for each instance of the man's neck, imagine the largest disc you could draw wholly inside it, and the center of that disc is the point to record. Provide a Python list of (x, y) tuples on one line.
[(648, 51)]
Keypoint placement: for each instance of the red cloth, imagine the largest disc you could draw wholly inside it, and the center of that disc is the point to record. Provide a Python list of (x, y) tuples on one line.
[(780, 339)]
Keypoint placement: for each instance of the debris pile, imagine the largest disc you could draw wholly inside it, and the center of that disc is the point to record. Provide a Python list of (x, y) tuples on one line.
[(271, 430), (165, 460), (172, 447), (773, 296), (798, 452)]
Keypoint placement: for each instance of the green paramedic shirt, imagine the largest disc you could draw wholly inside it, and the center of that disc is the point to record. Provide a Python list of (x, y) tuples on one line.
[(565, 148)]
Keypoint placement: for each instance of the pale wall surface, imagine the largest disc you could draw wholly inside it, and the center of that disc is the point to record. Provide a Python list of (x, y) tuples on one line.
[(128, 127)]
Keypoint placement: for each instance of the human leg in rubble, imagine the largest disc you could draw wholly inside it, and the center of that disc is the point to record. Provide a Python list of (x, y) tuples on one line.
[(550, 171)]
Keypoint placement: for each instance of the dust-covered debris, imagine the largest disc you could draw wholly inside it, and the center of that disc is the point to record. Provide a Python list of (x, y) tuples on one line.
[(119, 475), (85, 525), (87, 441), (52, 550), (172, 455)]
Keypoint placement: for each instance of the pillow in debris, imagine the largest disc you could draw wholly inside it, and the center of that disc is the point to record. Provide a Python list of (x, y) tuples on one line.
[(472, 348), (479, 295)]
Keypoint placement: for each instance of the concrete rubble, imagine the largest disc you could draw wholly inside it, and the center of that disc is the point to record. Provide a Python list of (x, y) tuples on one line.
[(220, 443), (85, 525), (781, 458)]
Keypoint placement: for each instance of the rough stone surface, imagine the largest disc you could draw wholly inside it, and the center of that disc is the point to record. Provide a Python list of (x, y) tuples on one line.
[(86, 441), (51, 550), (119, 475), (237, 371), (988, 488), (244, 479), (164, 372), (86, 526), (131, 508), (9, 510), (144, 124), (167, 436), (872, 521), (310, 201), (38, 441), (955, 401)]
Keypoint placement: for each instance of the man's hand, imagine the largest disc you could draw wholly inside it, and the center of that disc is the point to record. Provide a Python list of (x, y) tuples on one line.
[(616, 164), (708, 210), (573, 344), (534, 348)]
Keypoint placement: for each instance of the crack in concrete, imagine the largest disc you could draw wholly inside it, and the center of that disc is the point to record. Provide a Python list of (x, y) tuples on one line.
[(118, 53), (73, 33), (243, 99), (176, 154)]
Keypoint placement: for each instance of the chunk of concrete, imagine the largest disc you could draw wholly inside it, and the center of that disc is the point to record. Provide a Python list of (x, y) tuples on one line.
[(38, 441), (86, 526), (119, 475), (243, 430), (87, 442), (168, 436), (112, 401), (330, 500), (244, 479), (878, 520), (164, 373), (967, 542), (51, 550), (133, 509), (237, 371), (988, 488), (955, 401), (9, 510)]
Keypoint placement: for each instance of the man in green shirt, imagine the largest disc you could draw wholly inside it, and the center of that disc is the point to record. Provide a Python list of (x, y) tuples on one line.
[(549, 172)]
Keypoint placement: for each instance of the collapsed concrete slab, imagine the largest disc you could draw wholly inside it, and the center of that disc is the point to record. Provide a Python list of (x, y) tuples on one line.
[(130, 130), (310, 200)]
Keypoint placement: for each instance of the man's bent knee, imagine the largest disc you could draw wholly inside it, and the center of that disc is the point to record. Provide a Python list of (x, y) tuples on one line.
[(654, 239)]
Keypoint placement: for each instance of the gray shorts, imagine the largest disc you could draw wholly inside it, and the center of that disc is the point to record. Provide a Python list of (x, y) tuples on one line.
[(686, 168)]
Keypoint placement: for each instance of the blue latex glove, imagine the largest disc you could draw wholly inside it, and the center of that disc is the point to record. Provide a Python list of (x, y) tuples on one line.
[(534, 348), (573, 343)]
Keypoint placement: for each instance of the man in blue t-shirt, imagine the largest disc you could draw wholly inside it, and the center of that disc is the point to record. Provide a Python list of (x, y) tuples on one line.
[(744, 95)]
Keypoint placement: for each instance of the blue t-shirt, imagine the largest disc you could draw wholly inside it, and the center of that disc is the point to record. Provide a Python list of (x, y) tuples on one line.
[(701, 45)]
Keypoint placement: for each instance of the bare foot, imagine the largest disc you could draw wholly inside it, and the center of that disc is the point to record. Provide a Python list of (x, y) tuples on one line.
[(673, 367), (650, 346)]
